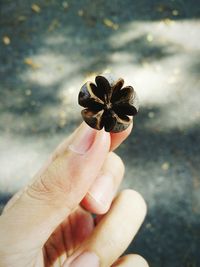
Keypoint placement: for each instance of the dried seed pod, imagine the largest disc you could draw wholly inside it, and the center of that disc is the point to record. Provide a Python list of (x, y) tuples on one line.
[(108, 104)]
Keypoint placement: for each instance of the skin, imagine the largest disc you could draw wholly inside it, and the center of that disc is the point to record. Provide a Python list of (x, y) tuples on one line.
[(49, 222)]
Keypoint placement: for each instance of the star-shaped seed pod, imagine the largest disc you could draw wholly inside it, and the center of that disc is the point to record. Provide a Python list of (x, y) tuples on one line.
[(108, 104)]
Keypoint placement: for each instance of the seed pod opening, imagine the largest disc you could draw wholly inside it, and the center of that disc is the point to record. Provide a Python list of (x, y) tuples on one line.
[(107, 104)]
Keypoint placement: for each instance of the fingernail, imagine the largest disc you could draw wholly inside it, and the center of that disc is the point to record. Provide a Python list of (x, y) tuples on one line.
[(83, 139), (86, 259), (102, 192)]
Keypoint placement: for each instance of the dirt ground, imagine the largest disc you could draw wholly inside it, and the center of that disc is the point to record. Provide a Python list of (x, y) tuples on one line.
[(48, 48)]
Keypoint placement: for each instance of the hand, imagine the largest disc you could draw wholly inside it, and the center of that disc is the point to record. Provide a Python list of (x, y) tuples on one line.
[(49, 222)]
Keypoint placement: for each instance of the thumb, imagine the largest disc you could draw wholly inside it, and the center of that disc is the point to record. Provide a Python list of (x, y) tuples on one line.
[(57, 189)]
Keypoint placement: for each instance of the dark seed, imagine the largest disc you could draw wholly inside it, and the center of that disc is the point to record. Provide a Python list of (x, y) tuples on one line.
[(107, 104)]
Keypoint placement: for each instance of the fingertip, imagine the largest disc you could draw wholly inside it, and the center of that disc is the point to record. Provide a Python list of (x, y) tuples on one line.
[(118, 138), (102, 140)]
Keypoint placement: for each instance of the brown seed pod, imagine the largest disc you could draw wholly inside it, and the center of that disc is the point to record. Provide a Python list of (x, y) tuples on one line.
[(108, 104)]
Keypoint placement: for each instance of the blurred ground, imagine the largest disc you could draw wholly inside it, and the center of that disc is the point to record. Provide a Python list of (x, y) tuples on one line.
[(49, 47)]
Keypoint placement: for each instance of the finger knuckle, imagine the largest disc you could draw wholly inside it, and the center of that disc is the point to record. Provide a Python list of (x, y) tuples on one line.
[(47, 188)]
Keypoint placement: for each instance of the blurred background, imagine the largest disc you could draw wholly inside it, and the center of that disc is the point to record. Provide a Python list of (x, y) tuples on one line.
[(49, 48)]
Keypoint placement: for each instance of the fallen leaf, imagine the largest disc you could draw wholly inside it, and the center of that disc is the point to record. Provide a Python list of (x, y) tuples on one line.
[(110, 24), (36, 8), (28, 61)]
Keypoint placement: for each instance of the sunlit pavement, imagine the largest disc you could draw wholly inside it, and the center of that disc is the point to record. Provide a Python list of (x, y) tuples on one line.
[(49, 49)]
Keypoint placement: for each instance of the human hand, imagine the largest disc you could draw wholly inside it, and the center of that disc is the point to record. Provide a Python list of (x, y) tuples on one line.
[(45, 224)]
